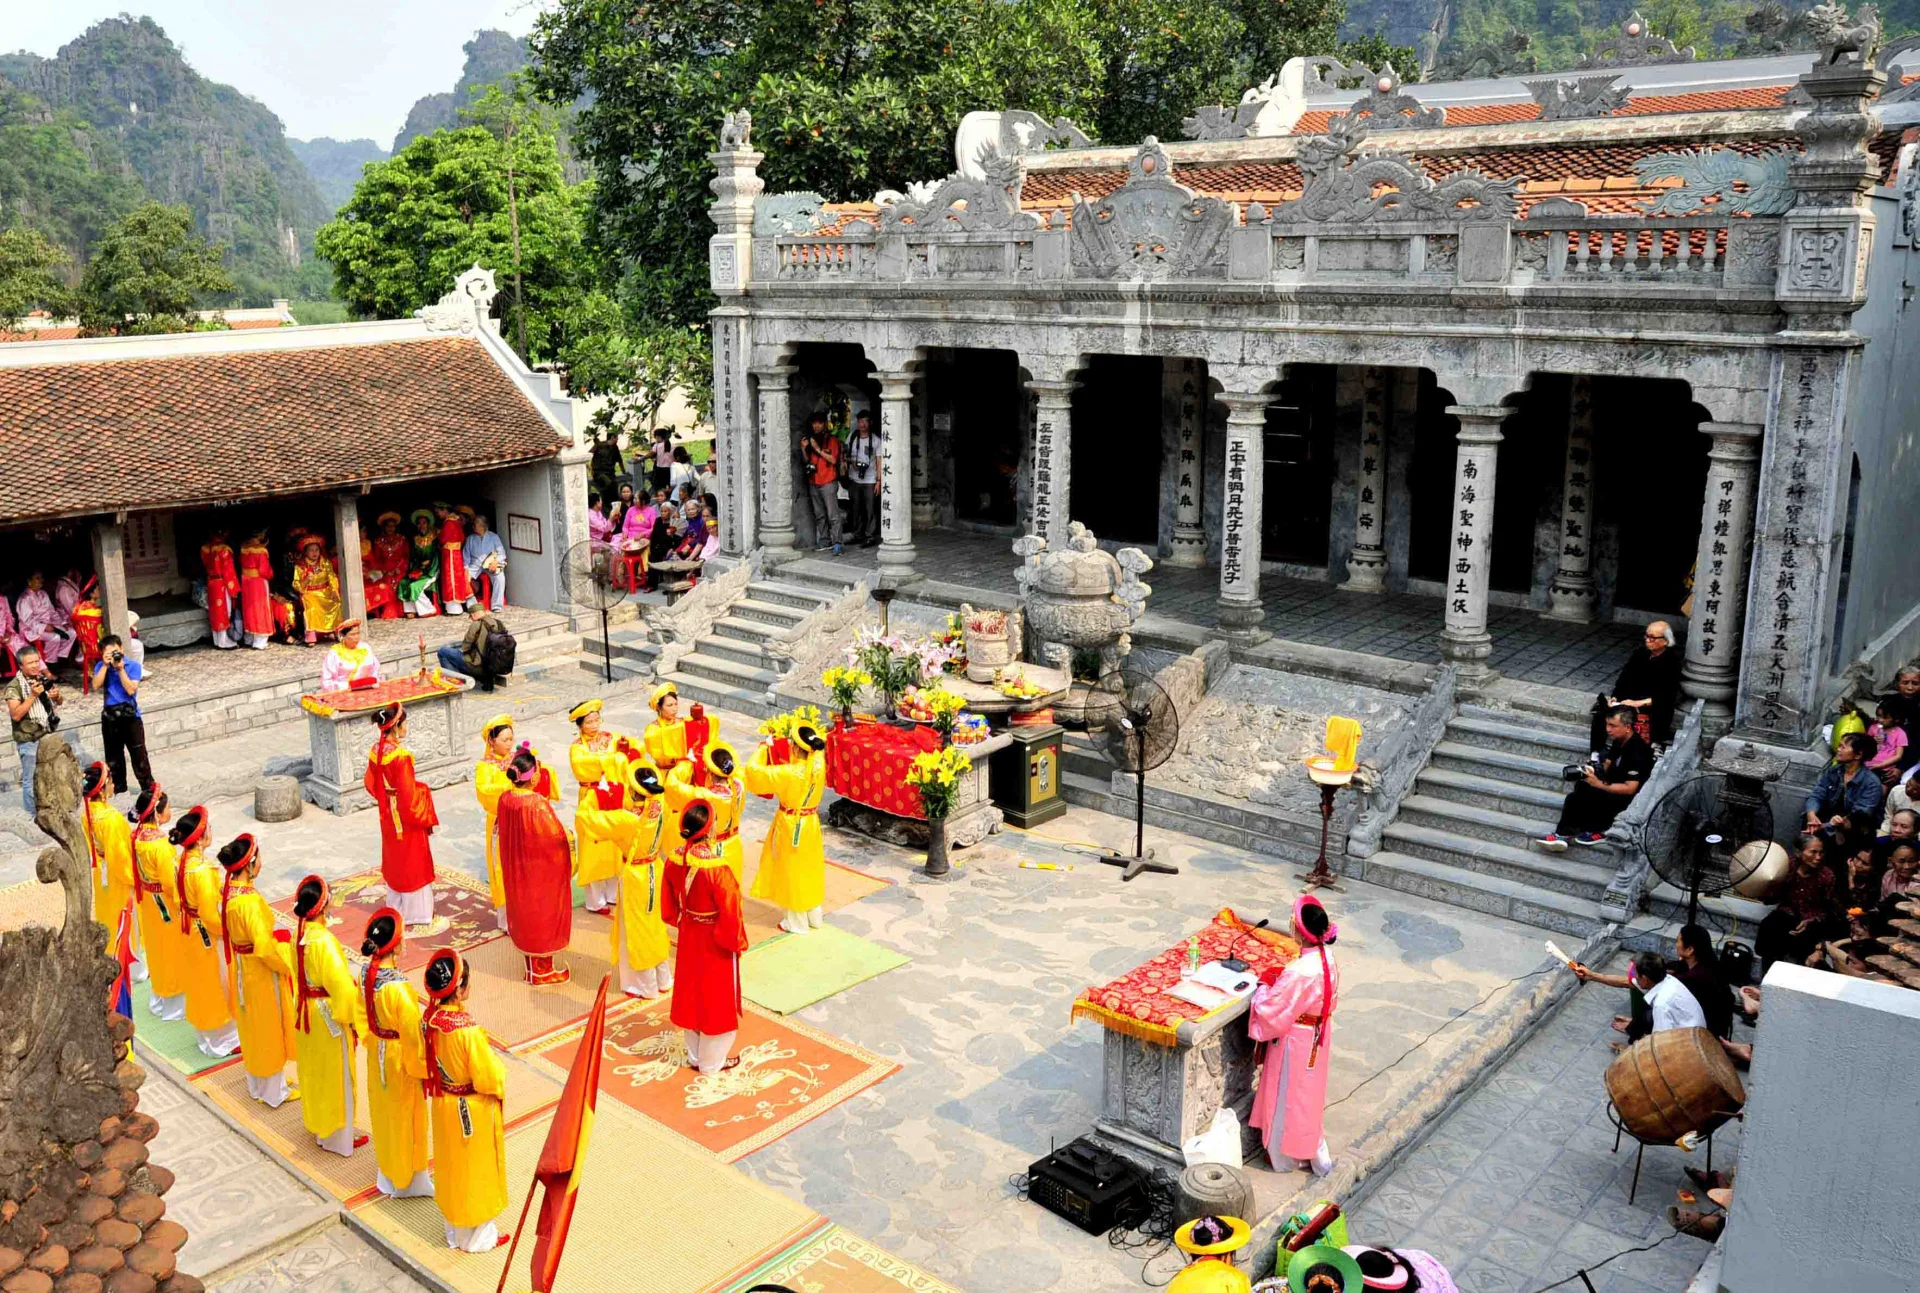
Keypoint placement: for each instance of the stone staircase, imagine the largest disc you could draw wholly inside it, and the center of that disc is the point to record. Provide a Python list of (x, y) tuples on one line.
[(729, 666), (1465, 835)]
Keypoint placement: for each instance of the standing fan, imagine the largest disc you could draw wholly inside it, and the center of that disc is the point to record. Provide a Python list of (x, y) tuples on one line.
[(1696, 835), (590, 585), (1134, 722)]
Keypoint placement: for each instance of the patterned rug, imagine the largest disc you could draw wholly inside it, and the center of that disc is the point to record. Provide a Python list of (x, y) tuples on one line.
[(788, 1074), (654, 1215), (839, 1261), (462, 914)]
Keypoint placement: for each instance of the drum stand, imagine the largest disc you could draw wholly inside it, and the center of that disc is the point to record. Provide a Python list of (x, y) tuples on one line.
[(1620, 1129)]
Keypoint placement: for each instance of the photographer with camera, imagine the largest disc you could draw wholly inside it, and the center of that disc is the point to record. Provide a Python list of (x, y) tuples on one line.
[(1603, 787), (821, 450), (32, 699), (122, 729)]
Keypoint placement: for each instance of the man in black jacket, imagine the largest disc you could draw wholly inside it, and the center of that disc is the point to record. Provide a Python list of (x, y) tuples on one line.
[(1605, 788), (1649, 684)]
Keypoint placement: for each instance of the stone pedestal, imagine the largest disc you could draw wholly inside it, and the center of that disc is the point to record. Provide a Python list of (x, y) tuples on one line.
[(1183, 402), (1154, 1098), (1712, 667), (1572, 586), (896, 496), (974, 816), (339, 743), (1241, 614), (1465, 640)]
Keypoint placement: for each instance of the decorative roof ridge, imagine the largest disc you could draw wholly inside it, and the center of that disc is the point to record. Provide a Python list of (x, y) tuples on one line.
[(215, 344)]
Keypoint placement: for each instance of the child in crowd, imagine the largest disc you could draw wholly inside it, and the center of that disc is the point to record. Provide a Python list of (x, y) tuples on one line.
[(1892, 739)]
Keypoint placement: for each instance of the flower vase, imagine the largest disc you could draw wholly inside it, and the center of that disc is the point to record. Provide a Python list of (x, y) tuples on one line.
[(843, 721), (937, 846)]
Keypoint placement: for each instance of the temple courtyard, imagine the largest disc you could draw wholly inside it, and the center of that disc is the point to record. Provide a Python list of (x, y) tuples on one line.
[(1482, 1140)]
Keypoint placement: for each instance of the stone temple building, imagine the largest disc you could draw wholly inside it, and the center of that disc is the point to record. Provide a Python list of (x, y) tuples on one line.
[(1584, 343)]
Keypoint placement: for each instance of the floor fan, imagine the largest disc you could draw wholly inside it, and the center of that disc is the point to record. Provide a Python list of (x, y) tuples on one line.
[(1133, 720), (1697, 833), (590, 586)]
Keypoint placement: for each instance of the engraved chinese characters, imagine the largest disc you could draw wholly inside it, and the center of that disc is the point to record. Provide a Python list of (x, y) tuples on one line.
[(1240, 610), (1367, 564), (1720, 572), (1181, 395), (1465, 640), (1572, 586)]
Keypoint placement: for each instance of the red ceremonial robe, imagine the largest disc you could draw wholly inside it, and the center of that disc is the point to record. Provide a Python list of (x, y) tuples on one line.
[(256, 594), (390, 555), (536, 868), (699, 895), (223, 585), (407, 817), (453, 566)]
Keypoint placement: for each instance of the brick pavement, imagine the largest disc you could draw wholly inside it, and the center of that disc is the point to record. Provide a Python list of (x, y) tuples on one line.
[(1527, 648)]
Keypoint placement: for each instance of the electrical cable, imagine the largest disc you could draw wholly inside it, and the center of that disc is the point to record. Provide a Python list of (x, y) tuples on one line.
[(1451, 1020), (1150, 1235), (1624, 1252)]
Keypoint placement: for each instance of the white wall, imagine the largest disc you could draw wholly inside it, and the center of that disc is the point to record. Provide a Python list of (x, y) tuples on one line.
[(1830, 1155), (532, 580)]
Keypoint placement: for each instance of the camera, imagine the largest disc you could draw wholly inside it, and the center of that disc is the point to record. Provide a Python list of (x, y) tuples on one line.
[(1574, 772)]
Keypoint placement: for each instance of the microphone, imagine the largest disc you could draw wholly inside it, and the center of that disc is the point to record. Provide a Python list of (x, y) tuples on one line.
[(1234, 963)]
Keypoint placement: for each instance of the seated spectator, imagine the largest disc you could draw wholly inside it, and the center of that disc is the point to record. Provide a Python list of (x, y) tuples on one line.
[(1847, 798), (1903, 873), (1859, 887), (1607, 785), (1697, 970), (1899, 800), (469, 658), (693, 539), (1649, 684), (1891, 736), (599, 528), (1792, 931), (1906, 699), (1669, 1003), (1901, 829)]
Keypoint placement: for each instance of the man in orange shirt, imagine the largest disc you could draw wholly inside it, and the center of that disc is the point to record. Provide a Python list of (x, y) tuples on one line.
[(822, 450)]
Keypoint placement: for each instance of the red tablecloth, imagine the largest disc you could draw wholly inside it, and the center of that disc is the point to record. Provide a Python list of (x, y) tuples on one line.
[(868, 764), (410, 688), (1135, 1003)]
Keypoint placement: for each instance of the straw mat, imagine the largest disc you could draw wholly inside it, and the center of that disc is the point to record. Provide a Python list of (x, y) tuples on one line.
[(515, 1012), (840, 1261), (793, 971), (529, 1094), (788, 1074), (654, 1215), (462, 914), (175, 1041)]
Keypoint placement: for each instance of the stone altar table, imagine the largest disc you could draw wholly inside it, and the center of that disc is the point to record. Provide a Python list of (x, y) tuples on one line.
[(340, 733), (1169, 1064), (866, 766)]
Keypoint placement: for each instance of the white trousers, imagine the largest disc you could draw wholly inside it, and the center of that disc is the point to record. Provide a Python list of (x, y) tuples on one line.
[(500, 915), (473, 1239), (226, 639), (415, 908), (169, 1008), (220, 1042), (602, 894), (648, 983), (137, 973), (270, 1091), (420, 1187), (421, 605), (258, 641), (708, 1051)]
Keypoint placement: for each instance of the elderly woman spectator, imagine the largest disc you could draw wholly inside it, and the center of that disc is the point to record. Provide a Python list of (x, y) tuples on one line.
[(1649, 684), (1793, 930), (599, 528), (1847, 797), (1903, 872), (693, 540), (486, 560), (41, 622), (1902, 827), (1899, 800)]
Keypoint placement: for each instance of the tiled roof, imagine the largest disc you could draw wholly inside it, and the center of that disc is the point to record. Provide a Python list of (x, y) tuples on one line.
[(1503, 114), (237, 324), (134, 434), (42, 334)]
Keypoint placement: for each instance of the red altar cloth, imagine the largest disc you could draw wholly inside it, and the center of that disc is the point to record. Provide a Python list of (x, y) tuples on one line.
[(364, 701), (868, 764), (1135, 1004)]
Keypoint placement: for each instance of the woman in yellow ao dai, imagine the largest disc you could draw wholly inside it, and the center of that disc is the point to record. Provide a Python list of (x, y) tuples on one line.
[(793, 864), (110, 844), (328, 1015), (467, 1091), (197, 887), (599, 761), (396, 1064), (642, 950), (153, 865), (259, 975)]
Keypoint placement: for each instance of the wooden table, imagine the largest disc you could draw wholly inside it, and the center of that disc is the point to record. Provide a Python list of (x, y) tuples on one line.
[(340, 733)]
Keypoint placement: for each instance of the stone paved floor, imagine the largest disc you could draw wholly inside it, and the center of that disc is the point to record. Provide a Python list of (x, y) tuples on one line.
[(1520, 1186), (1582, 657)]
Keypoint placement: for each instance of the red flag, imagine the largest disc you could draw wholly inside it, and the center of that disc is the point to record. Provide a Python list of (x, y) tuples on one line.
[(566, 1149)]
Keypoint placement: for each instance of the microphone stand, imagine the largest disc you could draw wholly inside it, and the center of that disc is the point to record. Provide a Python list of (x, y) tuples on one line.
[(1234, 963)]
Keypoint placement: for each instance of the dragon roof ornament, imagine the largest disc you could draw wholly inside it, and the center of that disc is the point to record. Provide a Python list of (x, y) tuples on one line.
[(1634, 46), (1341, 186), (1385, 106), (1151, 227)]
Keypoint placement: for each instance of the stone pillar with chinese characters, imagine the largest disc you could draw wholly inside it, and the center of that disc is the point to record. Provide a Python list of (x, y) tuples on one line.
[(1367, 563), (110, 565), (1052, 461), (1183, 401), (923, 516), (733, 432), (736, 183), (1465, 640), (1572, 588), (776, 460), (1241, 614), (896, 494), (346, 547), (1711, 670)]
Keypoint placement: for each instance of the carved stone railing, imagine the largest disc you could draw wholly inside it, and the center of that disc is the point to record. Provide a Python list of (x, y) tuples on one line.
[(1622, 898), (1691, 251), (1399, 761)]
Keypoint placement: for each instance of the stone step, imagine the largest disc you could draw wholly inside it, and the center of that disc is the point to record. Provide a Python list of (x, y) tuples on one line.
[(1739, 917), (1531, 721), (824, 576), (1530, 905), (744, 630), (721, 695), (1567, 873), (1514, 830), (774, 613), (1480, 791), (727, 672), (781, 593), (1495, 766), (1516, 737), (715, 646)]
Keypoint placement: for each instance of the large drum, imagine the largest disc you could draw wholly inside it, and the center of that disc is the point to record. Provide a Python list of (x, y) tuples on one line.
[(1670, 1083)]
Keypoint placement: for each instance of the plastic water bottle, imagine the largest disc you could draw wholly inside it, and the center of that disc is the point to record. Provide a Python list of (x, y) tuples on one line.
[(1193, 956)]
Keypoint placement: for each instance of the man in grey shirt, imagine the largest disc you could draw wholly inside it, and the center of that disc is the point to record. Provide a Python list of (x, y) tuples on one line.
[(863, 481)]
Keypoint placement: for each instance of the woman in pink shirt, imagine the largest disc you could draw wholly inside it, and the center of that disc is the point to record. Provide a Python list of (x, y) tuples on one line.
[(1892, 738)]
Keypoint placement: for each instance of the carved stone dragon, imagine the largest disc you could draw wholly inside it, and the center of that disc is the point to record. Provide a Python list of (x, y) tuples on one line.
[(968, 204), (1340, 187)]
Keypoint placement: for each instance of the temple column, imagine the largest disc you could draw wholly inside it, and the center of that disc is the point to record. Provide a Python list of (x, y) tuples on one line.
[(1572, 586), (923, 517), (1367, 563), (733, 432), (1465, 640), (110, 566), (1240, 611), (776, 461), (896, 494), (1047, 515), (1182, 400), (1711, 671), (346, 542)]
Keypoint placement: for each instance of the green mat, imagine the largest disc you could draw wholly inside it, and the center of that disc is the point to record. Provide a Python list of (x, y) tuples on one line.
[(793, 971), (175, 1041)]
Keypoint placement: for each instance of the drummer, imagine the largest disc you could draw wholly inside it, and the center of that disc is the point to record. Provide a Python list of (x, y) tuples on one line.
[(1668, 1002)]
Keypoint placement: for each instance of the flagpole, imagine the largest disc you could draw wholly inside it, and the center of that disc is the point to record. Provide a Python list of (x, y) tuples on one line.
[(518, 1230)]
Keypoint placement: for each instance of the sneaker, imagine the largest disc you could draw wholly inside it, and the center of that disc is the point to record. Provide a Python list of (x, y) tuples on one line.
[(1552, 843), (836, 549), (1588, 838)]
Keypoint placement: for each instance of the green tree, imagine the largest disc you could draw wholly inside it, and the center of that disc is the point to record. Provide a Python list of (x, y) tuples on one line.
[(149, 273), (29, 276), (462, 197)]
